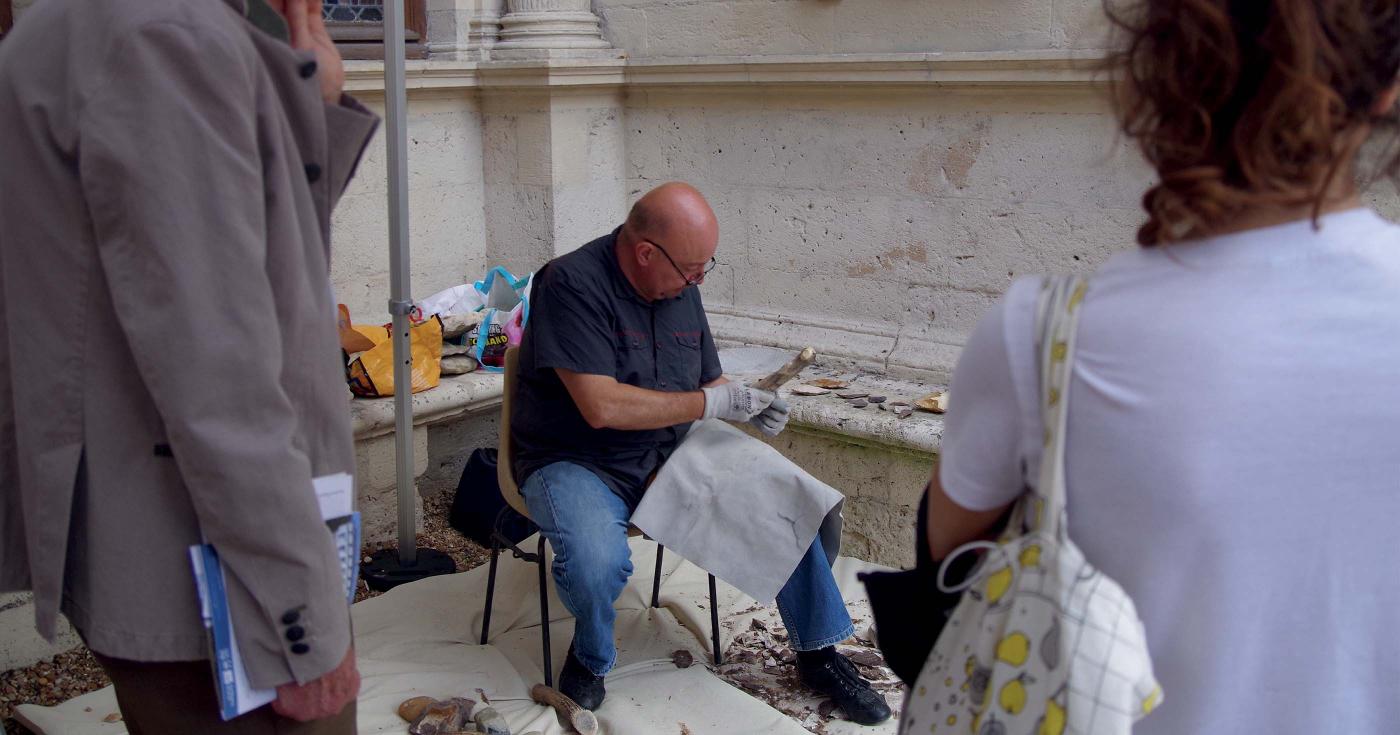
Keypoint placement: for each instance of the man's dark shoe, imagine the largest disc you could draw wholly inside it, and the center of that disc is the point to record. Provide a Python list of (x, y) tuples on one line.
[(581, 685), (832, 674)]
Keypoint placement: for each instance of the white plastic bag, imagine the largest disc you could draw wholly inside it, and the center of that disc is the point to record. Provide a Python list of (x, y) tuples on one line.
[(500, 303)]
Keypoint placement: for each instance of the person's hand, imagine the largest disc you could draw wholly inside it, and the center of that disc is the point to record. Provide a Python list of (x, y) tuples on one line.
[(308, 31), (771, 420), (320, 698), (735, 402)]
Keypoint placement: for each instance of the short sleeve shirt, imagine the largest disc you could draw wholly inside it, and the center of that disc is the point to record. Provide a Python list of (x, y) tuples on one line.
[(586, 317), (1231, 446)]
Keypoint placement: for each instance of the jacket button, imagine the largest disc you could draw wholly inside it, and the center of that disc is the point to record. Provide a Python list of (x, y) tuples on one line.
[(290, 617), (313, 172), (296, 633), (307, 70), (300, 648)]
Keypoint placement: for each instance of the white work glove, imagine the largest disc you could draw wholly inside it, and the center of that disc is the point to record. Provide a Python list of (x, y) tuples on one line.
[(771, 420), (735, 402)]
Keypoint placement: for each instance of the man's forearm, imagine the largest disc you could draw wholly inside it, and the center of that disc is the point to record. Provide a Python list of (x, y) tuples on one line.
[(637, 409)]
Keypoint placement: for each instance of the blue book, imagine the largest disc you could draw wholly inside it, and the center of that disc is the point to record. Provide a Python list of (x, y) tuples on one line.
[(335, 493)]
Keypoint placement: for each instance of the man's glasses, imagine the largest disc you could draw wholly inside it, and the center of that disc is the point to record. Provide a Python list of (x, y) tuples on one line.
[(689, 280)]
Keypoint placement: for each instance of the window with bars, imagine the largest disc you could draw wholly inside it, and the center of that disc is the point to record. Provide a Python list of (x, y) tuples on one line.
[(358, 27)]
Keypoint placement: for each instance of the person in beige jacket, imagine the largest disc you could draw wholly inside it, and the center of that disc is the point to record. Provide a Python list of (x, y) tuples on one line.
[(169, 364)]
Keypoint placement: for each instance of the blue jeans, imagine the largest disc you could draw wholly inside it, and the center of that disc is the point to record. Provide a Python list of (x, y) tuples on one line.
[(586, 524)]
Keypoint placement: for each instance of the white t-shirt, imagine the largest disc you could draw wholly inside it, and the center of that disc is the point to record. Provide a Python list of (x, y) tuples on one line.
[(1233, 460)]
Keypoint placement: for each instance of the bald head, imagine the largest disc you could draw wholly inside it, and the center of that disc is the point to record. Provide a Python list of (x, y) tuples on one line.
[(671, 220), (674, 210)]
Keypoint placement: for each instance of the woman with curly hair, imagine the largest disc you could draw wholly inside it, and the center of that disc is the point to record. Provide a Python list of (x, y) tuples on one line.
[(1233, 443)]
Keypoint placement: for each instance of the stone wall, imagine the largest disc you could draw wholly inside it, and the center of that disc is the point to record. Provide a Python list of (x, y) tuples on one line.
[(680, 28), (902, 213), (447, 226), (554, 170)]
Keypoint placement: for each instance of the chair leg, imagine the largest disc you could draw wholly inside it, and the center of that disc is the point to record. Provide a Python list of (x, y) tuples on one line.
[(544, 616), (714, 623), (656, 578), (490, 590)]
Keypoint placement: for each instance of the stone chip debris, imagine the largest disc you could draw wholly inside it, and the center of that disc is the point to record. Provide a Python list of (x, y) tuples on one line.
[(760, 660), (936, 402)]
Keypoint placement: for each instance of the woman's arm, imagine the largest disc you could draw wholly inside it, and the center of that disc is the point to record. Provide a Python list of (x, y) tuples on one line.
[(950, 525)]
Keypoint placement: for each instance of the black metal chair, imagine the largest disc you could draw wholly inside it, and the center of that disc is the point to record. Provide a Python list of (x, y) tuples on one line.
[(510, 491)]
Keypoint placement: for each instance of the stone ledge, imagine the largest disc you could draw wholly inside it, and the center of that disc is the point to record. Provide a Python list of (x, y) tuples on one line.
[(1026, 68), (865, 348), (921, 434), (480, 392), (1019, 69), (454, 396)]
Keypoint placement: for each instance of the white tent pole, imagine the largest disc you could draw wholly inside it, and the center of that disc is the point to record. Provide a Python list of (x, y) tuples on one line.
[(400, 303)]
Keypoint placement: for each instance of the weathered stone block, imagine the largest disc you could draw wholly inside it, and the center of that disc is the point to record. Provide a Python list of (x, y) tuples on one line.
[(625, 28), (446, 220), (987, 25), (739, 27), (882, 486), (450, 445), (1080, 24)]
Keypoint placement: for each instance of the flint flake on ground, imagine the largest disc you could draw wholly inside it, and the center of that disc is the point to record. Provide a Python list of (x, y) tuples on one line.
[(760, 662)]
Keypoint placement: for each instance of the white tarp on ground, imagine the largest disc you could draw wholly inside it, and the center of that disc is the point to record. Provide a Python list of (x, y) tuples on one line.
[(421, 639)]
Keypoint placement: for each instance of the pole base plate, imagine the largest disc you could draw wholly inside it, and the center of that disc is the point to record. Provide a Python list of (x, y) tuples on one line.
[(384, 571)]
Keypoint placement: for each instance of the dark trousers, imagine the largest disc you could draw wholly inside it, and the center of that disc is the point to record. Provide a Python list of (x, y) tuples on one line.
[(177, 698)]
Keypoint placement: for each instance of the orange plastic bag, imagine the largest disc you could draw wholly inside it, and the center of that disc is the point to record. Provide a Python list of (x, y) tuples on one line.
[(371, 374)]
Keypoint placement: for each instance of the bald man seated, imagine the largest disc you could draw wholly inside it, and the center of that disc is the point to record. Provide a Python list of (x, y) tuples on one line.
[(617, 361)]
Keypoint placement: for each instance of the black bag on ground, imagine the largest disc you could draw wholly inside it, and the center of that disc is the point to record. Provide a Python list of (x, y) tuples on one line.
[(478, 502), (908, 608)]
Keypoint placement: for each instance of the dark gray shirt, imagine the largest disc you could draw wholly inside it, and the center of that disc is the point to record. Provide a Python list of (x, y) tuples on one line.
[(586, 317)]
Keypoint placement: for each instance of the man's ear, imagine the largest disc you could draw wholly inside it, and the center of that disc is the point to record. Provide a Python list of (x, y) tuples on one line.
[(645, 251), (1386, 101)]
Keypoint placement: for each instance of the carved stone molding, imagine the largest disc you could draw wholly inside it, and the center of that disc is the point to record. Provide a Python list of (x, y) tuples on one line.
[(535, 26)]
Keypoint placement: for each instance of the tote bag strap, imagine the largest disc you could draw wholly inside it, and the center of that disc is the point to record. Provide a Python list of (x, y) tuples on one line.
[(1057, 321), (1040, 512)]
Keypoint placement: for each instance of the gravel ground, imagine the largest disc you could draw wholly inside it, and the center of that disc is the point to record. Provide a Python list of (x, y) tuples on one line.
[(54, 681), (436, 535), (758, 661)]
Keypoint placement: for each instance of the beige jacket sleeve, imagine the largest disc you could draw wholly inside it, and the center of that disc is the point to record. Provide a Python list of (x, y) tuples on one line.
[(349, 128), (172, 170)]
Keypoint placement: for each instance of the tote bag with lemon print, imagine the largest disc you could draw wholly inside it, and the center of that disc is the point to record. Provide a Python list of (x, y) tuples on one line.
[(1041, 642)]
